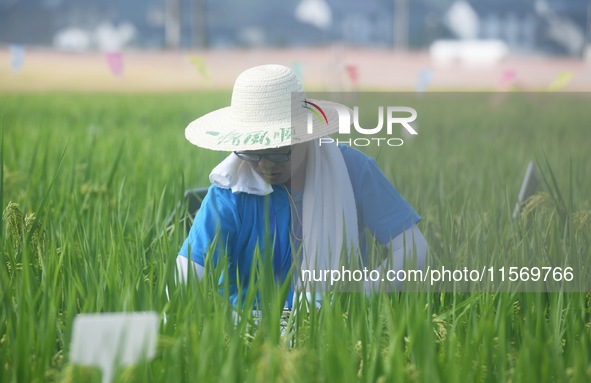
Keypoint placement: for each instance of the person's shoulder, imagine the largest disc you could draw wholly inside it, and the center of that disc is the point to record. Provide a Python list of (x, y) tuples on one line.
[(215, 190), (221, 195), (226, 195), (354, 158), (348, 151)]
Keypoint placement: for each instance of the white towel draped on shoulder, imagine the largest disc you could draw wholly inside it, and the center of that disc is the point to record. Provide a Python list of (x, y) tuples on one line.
[(329, 210)]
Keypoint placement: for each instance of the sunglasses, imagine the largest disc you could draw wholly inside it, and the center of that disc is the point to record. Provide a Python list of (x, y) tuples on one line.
[(256, 157)]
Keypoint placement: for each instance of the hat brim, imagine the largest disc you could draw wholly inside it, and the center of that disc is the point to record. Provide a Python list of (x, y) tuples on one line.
[(218, 130)]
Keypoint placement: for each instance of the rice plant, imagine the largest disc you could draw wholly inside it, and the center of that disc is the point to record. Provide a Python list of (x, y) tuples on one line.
[(89, 180)]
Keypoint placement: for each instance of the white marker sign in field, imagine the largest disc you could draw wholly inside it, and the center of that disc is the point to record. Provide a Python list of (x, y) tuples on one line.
[(113, 340)]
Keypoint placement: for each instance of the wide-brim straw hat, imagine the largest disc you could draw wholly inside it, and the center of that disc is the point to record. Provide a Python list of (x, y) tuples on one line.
[(268, 110)]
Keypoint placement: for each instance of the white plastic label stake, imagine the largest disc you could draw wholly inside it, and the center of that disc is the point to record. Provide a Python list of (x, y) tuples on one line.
[(113, 340), (528, 186)]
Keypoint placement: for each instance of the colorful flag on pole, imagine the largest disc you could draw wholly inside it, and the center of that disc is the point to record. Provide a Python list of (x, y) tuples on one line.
[(508, 77), (17, 57), (353, 74), (297, 69), (200, 66), (424, 79), (115, 62), (560, 81), (507, 80)]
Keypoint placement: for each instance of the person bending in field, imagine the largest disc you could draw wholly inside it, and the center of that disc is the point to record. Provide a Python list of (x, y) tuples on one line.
[(315, 201)]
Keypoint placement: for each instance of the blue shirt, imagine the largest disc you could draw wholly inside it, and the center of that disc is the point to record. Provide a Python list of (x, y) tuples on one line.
[(240, 224)]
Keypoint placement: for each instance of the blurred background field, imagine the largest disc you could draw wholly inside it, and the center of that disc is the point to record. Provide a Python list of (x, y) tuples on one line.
[(94, 159), (322, 69), (180, 45)]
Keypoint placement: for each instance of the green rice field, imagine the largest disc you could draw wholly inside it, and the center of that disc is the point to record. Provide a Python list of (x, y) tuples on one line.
[(89, 180)]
